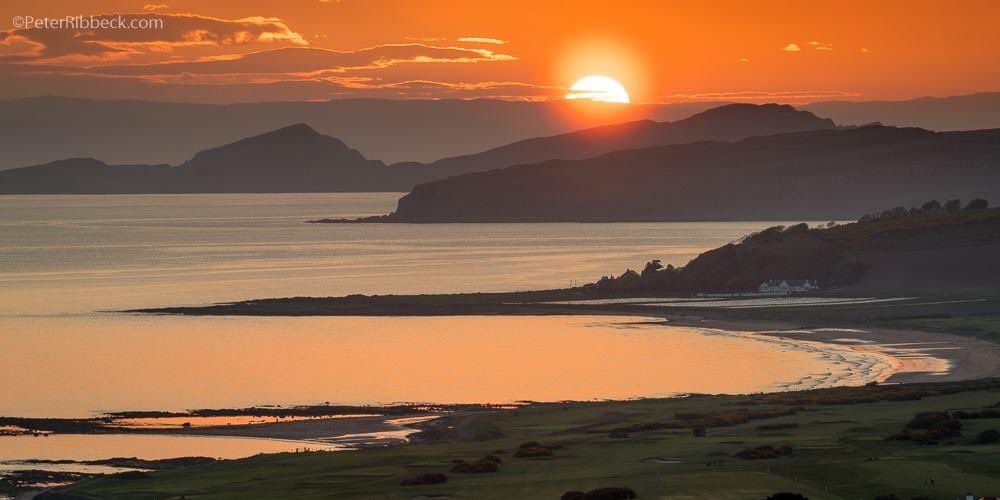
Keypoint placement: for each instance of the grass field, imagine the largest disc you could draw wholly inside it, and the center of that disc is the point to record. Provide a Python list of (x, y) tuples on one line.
[(839, 451)]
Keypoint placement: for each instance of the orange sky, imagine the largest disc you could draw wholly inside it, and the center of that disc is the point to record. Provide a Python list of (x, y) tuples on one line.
[(226, 51)]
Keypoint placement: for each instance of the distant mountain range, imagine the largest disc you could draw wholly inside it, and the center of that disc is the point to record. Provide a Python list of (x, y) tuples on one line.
[(44, 129), (725, 123), (819, 175), (299, 159), (292, 159), (963, 112)]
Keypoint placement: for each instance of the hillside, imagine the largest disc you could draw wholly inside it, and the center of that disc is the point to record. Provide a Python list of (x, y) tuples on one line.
[(42, 129), (817, 175), (297, 158), (725, 123), (39, 130), (963, 112), (932, 249), (291, 159)]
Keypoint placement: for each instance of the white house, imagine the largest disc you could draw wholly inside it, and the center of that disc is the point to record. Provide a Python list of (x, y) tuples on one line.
[(787, 286)]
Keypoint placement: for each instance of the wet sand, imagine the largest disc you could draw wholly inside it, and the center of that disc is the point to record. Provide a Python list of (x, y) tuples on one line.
[(919, 356)]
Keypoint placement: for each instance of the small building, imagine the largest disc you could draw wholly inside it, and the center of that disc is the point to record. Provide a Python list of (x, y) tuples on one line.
[(787, 286)]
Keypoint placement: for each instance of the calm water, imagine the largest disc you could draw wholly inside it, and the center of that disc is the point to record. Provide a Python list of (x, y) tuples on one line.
[(61, 254), (64, 257), (71, 366)]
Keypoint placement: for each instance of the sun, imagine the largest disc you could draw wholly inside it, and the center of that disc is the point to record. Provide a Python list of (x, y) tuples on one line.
[(598, 88)]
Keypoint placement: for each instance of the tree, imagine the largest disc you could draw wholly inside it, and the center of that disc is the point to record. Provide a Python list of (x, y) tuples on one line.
[(953, 205), (787, 496), (931, 206), (651, 267), (977, 204)]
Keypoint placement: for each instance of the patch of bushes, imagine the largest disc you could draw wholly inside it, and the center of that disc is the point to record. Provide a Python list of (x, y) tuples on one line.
[(533, 449), (936, 425), (132, 474), (610, 493), (988, 436), (869, 394), (764, 452), (480, 466), (778, 426), (966, 415), (709, 420), (787, 496), (423, 479)]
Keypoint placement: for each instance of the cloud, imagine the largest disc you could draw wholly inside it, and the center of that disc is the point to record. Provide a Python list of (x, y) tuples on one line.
[(821, 45), (864, 50), (153, 7), (744, 60), (791, 48), (309, 62), (167, 32), (480, 39), (765, 96)]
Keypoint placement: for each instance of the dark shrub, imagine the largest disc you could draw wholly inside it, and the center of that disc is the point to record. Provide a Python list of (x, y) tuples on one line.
[(493, 458), (931, 206), (540, 451), (886, 497), (529, 444), (477, 467), (928, 419), (610, 493), (988, 436), (801, 227), (787, 496), (953, 205), (432, 478), (774, 427), (977, 204), (132, 474), (764, 452)]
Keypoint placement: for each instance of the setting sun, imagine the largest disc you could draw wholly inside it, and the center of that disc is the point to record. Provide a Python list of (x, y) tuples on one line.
[(598, 88)]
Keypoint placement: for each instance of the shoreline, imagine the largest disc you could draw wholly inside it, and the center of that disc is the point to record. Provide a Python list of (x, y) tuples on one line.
[(883, 355), (922, 356)]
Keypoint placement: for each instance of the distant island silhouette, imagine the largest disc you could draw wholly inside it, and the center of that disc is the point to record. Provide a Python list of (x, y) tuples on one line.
[(297, 158), (39, 130), (813, 175)]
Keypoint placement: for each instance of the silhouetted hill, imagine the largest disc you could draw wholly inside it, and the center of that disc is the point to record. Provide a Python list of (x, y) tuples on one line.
[(291, 159), (825, 174), (725, 123), (917, 250), (88, 176), (298, 158), (963, 112), (43, 129)]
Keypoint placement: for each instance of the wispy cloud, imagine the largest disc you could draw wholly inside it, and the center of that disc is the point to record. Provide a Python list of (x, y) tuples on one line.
[(109, 45), (482, 39), (310, 62), (791, 48), (821, 45), (153, 7), (764, 96)]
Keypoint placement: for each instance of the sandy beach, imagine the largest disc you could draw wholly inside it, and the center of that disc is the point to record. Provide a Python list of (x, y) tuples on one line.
[(919, 356)]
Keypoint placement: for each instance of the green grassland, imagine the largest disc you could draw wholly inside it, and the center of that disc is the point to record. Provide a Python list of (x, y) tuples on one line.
[(839, 451)]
